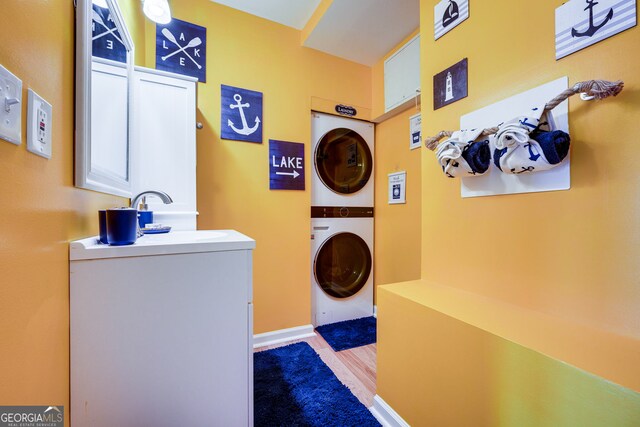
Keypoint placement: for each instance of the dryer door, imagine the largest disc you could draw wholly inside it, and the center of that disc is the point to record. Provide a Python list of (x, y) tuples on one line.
[(343, 161), (342, 265)]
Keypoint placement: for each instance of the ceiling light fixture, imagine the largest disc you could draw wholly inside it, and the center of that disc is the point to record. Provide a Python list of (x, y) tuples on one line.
[(157, 10)]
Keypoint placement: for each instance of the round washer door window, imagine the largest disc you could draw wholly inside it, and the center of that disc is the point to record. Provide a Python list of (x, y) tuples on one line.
[(343, 161), (342, 265)]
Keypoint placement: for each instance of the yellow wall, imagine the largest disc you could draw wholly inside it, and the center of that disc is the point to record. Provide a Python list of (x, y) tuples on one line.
[(233, 177), (435, 370), (397, 227), (568, 253), (41, 212), (569, 257)]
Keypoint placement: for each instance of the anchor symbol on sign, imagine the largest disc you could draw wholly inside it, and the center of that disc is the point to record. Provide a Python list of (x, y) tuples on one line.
[(245, 130), (589, 32)]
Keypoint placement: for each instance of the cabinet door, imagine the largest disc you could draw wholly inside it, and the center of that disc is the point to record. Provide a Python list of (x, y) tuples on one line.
[(164, 128), (402, 74), (161, 340)]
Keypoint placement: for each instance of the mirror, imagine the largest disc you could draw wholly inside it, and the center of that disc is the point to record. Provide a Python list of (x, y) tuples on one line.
[(104, 72)]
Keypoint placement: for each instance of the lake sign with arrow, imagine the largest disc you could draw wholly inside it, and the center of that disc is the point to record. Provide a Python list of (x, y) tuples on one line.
[(582, 23), (286, 165), (241, 118)]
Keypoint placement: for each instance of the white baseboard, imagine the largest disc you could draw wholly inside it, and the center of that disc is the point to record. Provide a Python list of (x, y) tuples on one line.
[(283, 335), (375, 311), (385, 414)]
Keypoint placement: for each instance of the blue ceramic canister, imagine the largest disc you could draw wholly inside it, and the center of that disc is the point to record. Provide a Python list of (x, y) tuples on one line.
[(122, 226), (102, 221), (144, 218)]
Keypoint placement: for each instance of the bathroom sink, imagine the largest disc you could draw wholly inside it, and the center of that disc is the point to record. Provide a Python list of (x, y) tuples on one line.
[(163, 244)]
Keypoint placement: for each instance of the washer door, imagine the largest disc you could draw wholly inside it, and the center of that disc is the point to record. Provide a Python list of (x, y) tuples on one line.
[(342, 265), (343, 161)]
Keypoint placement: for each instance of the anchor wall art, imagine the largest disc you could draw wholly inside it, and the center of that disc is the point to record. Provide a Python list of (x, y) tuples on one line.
[(581, 23), (448, 14), (241, 117), (107, 41), (181, 47)]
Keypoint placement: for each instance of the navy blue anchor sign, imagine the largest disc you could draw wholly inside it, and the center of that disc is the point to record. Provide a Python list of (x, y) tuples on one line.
[(181, 47), (106, 40), (241, 114)]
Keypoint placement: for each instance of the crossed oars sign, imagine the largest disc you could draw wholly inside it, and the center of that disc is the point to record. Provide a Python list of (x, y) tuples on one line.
[(97, 18), (193, 43)]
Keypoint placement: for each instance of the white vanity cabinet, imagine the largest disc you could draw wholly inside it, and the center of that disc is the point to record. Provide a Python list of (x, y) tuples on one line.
[(164, 144), (161, 331)]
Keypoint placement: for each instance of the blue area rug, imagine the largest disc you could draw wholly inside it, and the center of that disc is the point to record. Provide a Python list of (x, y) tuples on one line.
[(350, 333), (293, 387)]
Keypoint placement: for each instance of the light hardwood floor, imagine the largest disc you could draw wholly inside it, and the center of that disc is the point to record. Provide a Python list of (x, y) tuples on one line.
[(355, 368)]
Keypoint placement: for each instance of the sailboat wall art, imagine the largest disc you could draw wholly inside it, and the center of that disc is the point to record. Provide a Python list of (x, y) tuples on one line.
[(582, 23), (448, 14)]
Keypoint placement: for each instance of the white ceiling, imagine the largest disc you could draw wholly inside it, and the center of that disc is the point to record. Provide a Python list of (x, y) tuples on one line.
[(362, 31), (292, 13)]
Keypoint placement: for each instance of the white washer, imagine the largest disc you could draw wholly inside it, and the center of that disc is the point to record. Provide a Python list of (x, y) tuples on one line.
[(342, 151), (341, 264)]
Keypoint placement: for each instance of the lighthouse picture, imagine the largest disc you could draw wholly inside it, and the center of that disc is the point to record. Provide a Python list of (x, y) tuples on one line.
[(450, 85), (449, 88)]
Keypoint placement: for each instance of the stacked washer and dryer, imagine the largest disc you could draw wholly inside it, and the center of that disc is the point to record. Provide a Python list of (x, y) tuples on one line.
[(341, 219)]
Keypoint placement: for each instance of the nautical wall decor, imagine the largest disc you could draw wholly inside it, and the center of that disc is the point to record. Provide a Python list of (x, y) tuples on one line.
[(181, 47), (286, 165), (107, 41), (241, 117), (522, 154), (415, 131), (581, 23), (450, 85), (448, 14), (397, 188)]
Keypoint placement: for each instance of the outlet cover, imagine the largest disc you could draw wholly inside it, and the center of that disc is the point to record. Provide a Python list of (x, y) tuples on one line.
[(10, 107), (39, 121)]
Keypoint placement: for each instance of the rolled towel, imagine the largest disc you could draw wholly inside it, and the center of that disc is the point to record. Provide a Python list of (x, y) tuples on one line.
[(555, 144), (462, 155), (524, 145)]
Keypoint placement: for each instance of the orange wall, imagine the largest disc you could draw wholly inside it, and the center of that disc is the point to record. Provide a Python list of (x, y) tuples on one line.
[(397, 227), (573, 254), (233, 177), (568, 258), (436, 370), (41, 212)]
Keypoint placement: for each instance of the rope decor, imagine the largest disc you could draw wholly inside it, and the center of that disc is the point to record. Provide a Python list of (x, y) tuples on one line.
[(597, 89)]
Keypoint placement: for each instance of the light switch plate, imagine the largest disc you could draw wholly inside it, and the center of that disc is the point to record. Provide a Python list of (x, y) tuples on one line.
[(39, 121), (10, 107)]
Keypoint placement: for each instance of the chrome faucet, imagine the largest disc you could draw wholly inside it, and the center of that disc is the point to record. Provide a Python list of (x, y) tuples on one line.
[(166, 199)]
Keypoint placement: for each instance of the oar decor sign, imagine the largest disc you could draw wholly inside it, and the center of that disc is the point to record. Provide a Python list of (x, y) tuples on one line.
[(581, 23), (181, 47), (106, 40)]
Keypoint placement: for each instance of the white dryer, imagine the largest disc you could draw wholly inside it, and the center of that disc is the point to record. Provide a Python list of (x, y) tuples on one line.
[(341, 264), (342, 151)]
